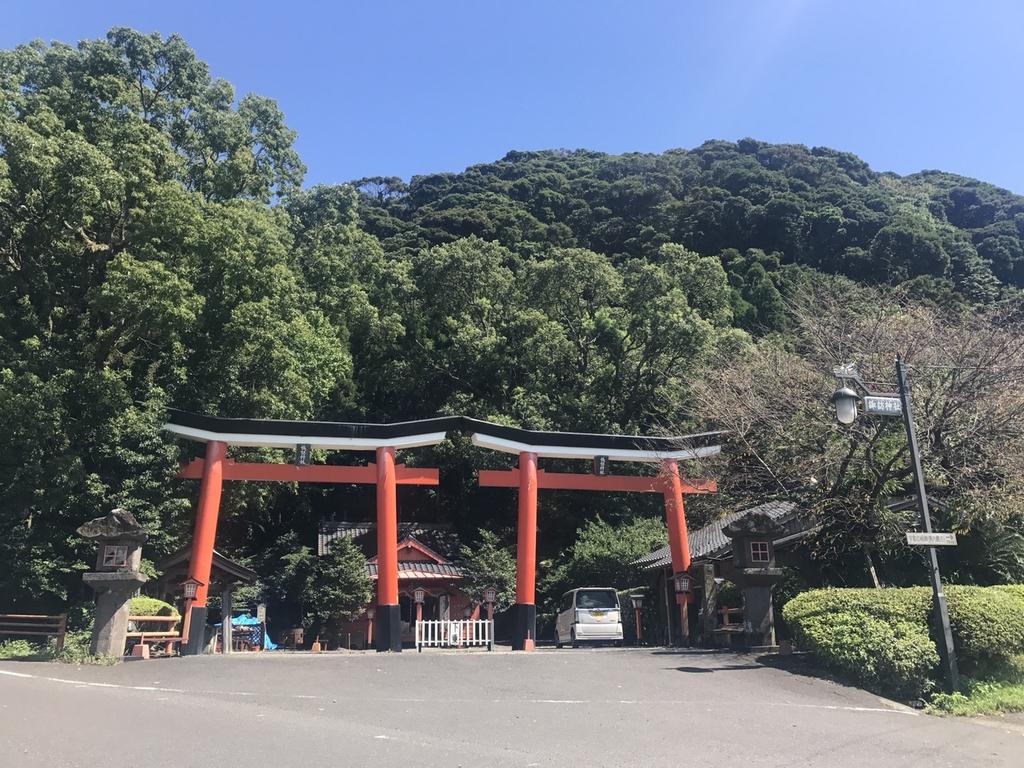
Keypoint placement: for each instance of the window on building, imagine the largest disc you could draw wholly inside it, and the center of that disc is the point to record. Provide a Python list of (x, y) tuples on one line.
[(115, 556), (759, 552)]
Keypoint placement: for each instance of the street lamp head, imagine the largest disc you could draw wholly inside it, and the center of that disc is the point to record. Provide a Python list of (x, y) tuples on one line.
[(845, 400), (637, 600)]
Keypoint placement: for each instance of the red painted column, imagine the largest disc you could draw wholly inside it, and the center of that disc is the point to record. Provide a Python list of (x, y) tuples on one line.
[(389, 631), (204, 536), (205, 533), (675, 517), (525, 626)]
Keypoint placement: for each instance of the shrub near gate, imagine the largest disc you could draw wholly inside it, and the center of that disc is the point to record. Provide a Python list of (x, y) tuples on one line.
[(988, 626), (890, 655), (142, 605), (884, 638)]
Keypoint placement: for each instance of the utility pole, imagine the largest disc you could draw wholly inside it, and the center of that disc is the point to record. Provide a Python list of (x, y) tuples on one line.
[(949, 654)]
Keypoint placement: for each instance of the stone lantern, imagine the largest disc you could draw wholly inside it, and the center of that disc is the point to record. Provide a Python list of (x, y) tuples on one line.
[(755, 572), (116, 577)]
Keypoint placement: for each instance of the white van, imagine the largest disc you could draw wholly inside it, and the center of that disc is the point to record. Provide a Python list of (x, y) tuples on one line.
[(588, 613)]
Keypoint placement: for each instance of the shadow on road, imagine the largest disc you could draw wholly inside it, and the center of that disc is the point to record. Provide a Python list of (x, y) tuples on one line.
[(734, 668), (802, 664)]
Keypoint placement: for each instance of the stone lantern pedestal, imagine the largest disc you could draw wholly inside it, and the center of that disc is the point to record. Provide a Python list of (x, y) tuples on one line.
[(116, 577), (756, 574), (114, 592)]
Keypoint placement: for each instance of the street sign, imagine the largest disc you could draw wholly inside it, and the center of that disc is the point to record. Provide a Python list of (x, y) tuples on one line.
[(918, 539), (302, 454), (882, 406)]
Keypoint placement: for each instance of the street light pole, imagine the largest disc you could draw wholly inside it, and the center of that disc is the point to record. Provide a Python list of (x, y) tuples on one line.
[(939, 597)]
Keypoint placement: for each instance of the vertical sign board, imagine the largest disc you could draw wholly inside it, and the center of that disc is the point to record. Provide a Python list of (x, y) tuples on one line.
[(302, 454), (920, 539), (601, 465)]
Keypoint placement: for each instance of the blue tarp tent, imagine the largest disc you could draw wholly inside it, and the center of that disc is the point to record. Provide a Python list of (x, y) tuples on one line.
[(251, 621)]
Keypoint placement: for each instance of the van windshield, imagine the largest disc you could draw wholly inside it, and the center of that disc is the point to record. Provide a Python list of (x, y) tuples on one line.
[(597, 598)]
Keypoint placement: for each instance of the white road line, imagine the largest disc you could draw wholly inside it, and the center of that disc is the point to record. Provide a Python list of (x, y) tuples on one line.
[(411, 700)]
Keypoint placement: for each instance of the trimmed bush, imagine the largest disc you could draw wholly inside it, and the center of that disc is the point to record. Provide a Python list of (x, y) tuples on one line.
[(885, 638), (141, 605), (988, 625), (887, 654)]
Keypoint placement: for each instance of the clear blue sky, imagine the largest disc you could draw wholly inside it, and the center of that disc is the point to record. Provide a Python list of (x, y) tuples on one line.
[(402, 88)]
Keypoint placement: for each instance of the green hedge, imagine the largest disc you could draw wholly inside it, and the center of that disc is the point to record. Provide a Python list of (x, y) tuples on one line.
[(878, 638), (885, 638), (141, 605), (988, 626)]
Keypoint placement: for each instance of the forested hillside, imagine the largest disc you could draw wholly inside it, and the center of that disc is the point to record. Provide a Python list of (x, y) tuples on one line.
[(157, 248), (815, 207)]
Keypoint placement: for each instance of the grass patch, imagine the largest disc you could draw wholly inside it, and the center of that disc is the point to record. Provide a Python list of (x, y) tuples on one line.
[(76, 651), (23, 650), (1002, 693)]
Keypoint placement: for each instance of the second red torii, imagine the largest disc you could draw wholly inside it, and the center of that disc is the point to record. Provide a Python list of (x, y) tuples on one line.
[(576, 481)]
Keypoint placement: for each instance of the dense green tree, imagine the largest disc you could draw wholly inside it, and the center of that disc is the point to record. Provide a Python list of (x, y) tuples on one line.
[(489, 564), (602, 556), (321, 588), (157, 249)]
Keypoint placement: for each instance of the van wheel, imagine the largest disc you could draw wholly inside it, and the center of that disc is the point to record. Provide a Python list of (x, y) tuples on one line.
[(573, 640)]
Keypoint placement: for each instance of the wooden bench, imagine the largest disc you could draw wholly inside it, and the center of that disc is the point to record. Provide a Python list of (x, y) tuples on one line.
[(34, 625), (169, 637)]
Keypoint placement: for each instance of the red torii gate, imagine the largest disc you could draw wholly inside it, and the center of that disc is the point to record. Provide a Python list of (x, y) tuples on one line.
[(384, 440), (528, 480), (216, 468)]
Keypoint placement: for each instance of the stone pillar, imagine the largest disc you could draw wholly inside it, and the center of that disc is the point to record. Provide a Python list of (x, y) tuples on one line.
[(225, 611), (709, 606), (753, 551), (115, 579), (113, 606)]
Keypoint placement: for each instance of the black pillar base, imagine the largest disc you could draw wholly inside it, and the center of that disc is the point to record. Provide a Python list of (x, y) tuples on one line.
[(387, 629), (196, 632), (524, 625)]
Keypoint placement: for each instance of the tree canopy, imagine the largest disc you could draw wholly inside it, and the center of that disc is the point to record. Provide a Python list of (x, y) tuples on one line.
[(158, 248)]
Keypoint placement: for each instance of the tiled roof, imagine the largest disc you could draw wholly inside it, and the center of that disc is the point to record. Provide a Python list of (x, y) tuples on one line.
[(417, 570), (441, 539), (709, 541)]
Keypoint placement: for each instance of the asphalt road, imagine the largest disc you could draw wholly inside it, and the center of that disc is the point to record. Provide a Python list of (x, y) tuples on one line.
[(586, 707)]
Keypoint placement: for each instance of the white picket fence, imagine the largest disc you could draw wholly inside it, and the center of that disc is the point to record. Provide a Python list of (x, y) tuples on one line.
[(464, 633)]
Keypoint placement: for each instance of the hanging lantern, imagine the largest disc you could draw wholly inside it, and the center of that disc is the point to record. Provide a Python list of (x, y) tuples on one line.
[(190, 588)]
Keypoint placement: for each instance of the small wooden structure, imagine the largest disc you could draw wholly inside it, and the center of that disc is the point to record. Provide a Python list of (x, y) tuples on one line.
[(712, 554), (224, 575), (168, 637), (35, 625)]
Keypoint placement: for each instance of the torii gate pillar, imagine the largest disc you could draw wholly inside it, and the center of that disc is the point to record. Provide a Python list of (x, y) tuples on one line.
[(524, 626), (678, 538), (203, 538), (388, 630)]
